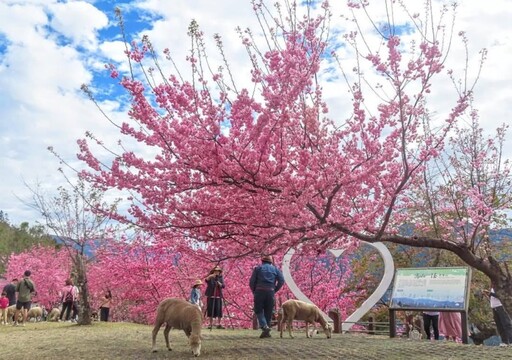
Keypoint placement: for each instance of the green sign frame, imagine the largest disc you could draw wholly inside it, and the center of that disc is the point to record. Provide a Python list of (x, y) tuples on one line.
[(431, 289)]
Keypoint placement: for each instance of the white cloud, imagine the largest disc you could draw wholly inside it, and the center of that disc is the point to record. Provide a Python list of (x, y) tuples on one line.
[(78, 21)]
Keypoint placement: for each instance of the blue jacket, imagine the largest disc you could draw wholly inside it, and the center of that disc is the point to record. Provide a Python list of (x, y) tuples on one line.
[(266, 277), (195, 296)]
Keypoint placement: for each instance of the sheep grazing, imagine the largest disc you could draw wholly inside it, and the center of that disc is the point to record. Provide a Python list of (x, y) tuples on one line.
[(179, 314), (300, 310), (35, 313), (53, 315)]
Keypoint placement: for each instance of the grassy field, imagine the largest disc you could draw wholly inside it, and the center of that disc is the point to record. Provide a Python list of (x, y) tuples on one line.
[(131, 341)]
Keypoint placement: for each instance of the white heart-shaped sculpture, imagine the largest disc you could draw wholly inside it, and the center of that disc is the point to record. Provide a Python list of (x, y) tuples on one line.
[(389, 269)]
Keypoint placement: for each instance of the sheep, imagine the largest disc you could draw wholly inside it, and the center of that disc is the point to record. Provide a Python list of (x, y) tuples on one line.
[(300, 310), (35, 313), (179, 314), (53, 315), (10, 312)]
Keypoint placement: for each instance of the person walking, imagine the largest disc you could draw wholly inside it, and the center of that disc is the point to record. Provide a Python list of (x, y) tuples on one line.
[(266, 280), (106, 303), (67, 298), (501, 318), (214, 285), (431, 318), (25, 289)]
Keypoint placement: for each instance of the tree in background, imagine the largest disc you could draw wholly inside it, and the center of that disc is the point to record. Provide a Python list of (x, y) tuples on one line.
[(258, 166), (69, 218), (15, 239)]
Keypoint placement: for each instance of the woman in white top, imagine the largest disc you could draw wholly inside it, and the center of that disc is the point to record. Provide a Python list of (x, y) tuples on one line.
[(501, 318)]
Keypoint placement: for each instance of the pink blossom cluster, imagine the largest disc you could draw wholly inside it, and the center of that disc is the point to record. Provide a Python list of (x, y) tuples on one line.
[(141, 275)]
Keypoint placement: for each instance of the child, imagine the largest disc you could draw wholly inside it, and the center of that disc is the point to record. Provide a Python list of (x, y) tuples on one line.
[(195, 294), (4, 303)]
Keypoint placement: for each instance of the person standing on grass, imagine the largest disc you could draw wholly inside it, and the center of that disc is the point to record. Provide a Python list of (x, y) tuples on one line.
[(25, 289), (106, 303), (266, 280), (4, 304), (501, 318), (450, 325), (195, 294), (67, 298), (10, 290), (74, 315), (431, 318), (214, 285)]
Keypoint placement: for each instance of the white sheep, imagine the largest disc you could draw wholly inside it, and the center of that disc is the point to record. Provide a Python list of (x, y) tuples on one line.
[(53, 315), (300, 310), (179, 314), (35, 313)]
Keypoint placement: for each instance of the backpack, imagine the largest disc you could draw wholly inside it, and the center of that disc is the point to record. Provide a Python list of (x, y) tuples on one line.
[(68, 297)]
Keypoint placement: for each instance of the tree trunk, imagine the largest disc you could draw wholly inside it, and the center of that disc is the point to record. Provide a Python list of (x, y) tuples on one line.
[(497, 272), (84, 315)]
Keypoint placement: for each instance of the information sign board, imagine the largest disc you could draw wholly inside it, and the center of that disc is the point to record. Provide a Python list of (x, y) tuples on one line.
[(443, 289)]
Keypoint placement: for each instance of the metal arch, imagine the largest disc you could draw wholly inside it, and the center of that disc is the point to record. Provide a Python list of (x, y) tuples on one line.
[(389, 269)]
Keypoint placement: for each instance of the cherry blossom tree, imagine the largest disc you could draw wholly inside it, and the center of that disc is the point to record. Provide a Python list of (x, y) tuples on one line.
[(259, 165), (141, 274), (69, 217), (50, 267)]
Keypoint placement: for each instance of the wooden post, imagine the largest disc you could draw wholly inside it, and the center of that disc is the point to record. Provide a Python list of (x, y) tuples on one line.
[(334, 314), (371, 325), (392, 323), (464, 324)]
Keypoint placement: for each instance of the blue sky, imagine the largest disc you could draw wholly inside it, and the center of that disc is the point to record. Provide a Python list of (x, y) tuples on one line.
[(49, 48)]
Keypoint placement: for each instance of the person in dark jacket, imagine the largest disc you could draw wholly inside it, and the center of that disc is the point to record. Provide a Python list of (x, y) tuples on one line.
[(10, 291), (266, 280), (214, 285)]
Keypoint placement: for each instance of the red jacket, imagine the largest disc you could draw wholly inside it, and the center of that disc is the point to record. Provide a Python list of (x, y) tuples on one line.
[(4, 302)]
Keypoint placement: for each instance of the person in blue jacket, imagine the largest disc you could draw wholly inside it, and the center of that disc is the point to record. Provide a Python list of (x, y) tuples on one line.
[(266, 280)]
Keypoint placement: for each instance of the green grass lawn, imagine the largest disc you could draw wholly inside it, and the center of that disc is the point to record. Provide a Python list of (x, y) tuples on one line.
[(43, 341)]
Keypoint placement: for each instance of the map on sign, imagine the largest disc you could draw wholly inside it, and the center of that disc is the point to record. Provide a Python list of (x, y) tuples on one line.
[(431, 289)]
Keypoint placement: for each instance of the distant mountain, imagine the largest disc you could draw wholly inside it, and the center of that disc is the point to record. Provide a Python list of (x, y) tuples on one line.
[(88, 249)]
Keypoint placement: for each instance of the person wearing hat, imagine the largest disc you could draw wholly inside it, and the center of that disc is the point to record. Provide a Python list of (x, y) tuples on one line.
[(195, 294), (266, 280), (25, 289), (214, 285)]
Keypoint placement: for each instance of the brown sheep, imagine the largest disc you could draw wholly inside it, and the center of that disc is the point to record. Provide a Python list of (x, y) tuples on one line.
[(300, 310), (179, 314)]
